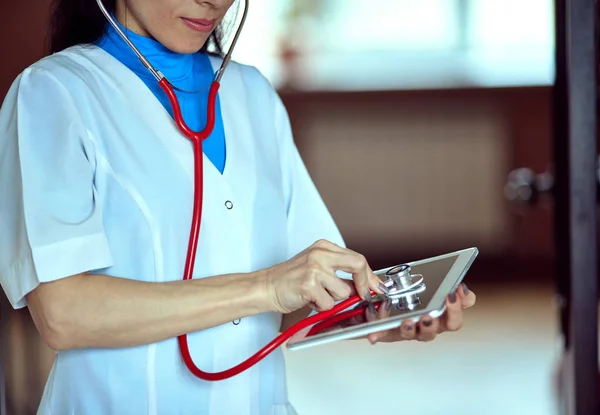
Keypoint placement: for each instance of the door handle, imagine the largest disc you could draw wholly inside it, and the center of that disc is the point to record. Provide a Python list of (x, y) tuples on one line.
[(526, 187)]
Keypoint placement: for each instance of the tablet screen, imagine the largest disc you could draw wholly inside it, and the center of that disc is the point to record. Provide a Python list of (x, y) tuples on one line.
[(434, 272)]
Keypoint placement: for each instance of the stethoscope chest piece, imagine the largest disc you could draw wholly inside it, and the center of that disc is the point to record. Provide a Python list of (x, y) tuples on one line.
[(402, 287)]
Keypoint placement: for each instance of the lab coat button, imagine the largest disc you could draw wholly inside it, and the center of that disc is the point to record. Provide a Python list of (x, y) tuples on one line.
[(229, 205)]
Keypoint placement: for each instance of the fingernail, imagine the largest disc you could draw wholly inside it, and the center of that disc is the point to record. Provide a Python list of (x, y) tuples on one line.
[(427, 323), (383, 288), (388, 305), (367, 296), (465, 289), (408, 327), (452, 298)]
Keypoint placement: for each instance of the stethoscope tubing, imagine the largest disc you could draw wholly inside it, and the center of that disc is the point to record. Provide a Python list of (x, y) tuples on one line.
[(197, 137)]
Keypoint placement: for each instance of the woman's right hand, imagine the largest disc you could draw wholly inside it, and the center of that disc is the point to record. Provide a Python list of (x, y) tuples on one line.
[(309, 278)]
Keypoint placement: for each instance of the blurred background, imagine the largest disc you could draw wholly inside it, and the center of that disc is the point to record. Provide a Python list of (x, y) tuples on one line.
[(410, 116)]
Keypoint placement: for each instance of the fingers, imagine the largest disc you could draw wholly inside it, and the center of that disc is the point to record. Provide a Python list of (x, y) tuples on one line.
[(338, 258), (313, 306), (466, 296), (373, 281), (427, 329), (313, 291), (322, 299), (324, 289), (338, 288), (408, 330), (369, 316), (382, 312), (452, 319)]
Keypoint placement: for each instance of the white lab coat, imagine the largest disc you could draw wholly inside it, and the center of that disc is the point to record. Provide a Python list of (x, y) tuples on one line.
[(94, 175)]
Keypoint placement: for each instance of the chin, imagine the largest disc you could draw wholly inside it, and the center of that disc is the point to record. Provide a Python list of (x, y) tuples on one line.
[(186, 50), (185, 47)]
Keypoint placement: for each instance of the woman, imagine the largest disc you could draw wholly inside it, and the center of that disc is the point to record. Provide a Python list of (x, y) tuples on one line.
[(97, 194)]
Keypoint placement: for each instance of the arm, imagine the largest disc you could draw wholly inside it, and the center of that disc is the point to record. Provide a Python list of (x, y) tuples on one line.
[(93, 311), (53, 234), (96, 311)]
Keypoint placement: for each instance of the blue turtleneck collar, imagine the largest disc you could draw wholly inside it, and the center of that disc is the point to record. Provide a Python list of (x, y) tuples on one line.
[(191, 72), (177, 67)]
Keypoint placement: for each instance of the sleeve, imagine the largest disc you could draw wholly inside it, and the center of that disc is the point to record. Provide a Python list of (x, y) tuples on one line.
[(309, 219), (50, 217)]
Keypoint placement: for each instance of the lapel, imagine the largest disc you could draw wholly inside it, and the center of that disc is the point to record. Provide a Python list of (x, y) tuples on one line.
[(158, 119), (239, 179)]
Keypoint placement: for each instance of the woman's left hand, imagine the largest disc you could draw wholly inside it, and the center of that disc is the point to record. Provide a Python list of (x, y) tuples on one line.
[(427, 328)]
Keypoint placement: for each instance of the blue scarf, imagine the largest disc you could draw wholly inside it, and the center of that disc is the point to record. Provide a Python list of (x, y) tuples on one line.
[(190, 72)]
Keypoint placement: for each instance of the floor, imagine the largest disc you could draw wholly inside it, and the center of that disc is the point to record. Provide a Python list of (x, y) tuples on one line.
[(500, 363)]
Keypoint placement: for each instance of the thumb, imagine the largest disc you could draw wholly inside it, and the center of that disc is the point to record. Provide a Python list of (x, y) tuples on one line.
[(373, 282), (364, 286)]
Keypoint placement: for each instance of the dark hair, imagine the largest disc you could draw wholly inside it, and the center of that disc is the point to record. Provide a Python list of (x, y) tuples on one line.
[(75, 22)]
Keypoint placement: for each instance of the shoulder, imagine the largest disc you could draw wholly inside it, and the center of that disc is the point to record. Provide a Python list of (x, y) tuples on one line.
[(248, 77), (68, 60), (254, 77), (49, 92), (71, 69), (248, 72)]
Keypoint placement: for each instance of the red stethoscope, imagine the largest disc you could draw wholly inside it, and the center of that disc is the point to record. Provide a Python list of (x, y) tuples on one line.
[(324, 318)]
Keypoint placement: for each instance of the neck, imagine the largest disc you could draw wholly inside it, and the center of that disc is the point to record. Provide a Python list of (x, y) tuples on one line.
[(127, 20), (175, 66)]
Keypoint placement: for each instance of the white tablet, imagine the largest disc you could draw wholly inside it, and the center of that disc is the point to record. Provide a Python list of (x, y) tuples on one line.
[(414, 289)]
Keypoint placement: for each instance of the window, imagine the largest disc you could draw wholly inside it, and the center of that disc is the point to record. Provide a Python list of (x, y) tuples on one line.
[(511, 42), (398, 44)]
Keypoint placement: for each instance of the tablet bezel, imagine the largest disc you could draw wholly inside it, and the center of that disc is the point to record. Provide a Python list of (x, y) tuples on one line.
[(435, 308)]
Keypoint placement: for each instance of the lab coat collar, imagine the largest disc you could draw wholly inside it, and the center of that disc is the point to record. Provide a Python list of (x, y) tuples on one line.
[(153, 114), (237, 177)]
